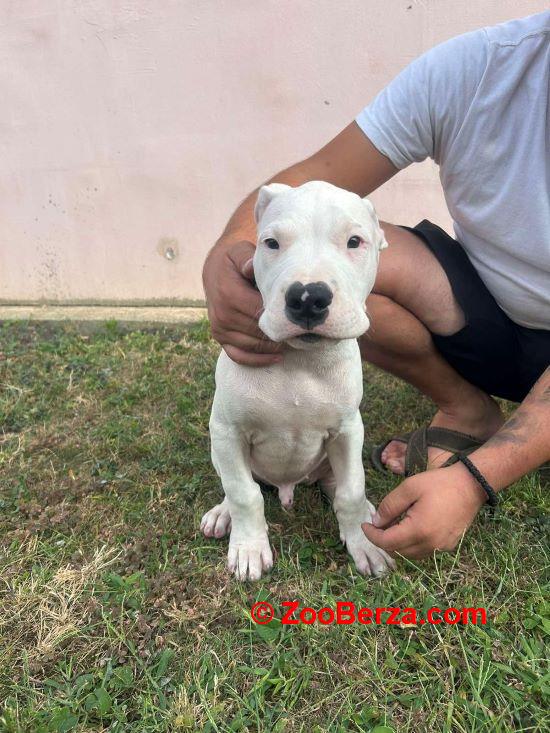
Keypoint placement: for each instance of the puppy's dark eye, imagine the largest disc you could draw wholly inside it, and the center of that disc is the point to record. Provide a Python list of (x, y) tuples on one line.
[(272, 243), (354, 242)]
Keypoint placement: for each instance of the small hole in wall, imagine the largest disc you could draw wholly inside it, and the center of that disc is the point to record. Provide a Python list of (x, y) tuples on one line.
[(168, 248)]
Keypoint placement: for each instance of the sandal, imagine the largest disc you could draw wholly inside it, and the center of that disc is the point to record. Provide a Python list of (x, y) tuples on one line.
[(418, 441)]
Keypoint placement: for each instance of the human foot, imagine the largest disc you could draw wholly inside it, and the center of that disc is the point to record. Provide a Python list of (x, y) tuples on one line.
[(481, 419)]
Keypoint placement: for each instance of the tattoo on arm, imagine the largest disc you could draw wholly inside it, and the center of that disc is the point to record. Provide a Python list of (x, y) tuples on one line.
[(516, 430), (511, 432)]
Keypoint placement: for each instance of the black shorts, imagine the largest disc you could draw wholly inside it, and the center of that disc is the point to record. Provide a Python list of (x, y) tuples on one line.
[(491, 351)]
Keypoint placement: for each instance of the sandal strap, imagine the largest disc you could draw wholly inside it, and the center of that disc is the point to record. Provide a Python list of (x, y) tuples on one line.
[(418, 441), (452, 440), (416, 457), (456, 456)]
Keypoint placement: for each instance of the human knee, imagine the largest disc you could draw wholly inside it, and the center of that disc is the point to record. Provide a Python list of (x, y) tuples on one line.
[(410, 275), (394, 330)]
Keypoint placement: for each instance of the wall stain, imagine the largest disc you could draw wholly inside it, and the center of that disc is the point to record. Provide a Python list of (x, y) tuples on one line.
[(168, 247)]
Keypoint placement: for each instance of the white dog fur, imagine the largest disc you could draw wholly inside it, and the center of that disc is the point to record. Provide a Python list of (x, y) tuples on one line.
[(298, 421)]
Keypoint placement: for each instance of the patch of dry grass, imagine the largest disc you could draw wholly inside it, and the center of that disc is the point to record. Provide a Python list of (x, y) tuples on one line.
[(46, 611)]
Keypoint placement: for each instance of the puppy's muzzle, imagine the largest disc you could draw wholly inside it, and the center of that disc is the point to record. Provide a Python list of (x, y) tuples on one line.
[(307, 305)]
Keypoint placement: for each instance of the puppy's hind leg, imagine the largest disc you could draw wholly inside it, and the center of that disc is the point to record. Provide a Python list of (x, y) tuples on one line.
[(325, 478), (217, 522), (328, 487)]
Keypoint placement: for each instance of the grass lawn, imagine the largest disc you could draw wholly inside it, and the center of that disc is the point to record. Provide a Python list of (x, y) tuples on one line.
[(117, 615)]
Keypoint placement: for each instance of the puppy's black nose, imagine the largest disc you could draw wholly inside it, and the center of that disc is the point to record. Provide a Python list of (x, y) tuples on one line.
[(307, 305)]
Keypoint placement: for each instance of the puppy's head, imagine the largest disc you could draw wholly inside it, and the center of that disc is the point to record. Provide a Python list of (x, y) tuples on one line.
[(315, 262)]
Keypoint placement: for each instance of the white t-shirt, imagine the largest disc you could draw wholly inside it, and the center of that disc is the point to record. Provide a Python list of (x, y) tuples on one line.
[(479, 105)]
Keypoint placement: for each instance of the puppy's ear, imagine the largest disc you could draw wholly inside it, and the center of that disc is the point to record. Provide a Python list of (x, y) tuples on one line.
[(379, 237), (265, 195), (382, 242)]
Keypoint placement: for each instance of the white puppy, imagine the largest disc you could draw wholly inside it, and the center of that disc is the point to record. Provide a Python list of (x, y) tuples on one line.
[(298, 421)]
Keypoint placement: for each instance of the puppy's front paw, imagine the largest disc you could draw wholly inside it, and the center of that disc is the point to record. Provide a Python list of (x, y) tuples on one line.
[(368, 559), (249, 558)]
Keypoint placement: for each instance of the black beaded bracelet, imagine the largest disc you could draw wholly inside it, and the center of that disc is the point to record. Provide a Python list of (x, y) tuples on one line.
[(492, 499)]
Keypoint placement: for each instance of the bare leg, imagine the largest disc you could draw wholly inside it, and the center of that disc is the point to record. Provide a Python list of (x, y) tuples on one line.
[(411, 297)]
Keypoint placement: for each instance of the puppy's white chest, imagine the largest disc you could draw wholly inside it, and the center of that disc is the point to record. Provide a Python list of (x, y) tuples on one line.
[(287, 437), (287, 412)]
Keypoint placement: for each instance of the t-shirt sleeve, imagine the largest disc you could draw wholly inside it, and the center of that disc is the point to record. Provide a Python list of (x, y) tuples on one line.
[(420, 112)]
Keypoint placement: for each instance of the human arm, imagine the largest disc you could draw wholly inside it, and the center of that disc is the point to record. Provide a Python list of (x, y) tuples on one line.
[(439, 505), (350, 161)]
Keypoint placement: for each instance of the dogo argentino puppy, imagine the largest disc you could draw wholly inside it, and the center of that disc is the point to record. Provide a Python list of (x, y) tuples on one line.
[(298, 421)]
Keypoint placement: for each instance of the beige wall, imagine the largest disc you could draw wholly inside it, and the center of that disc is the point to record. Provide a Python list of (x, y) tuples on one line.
[(133, 127)]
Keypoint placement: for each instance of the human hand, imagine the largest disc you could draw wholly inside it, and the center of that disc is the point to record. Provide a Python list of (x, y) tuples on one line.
[(234, 304), (439, 506)]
